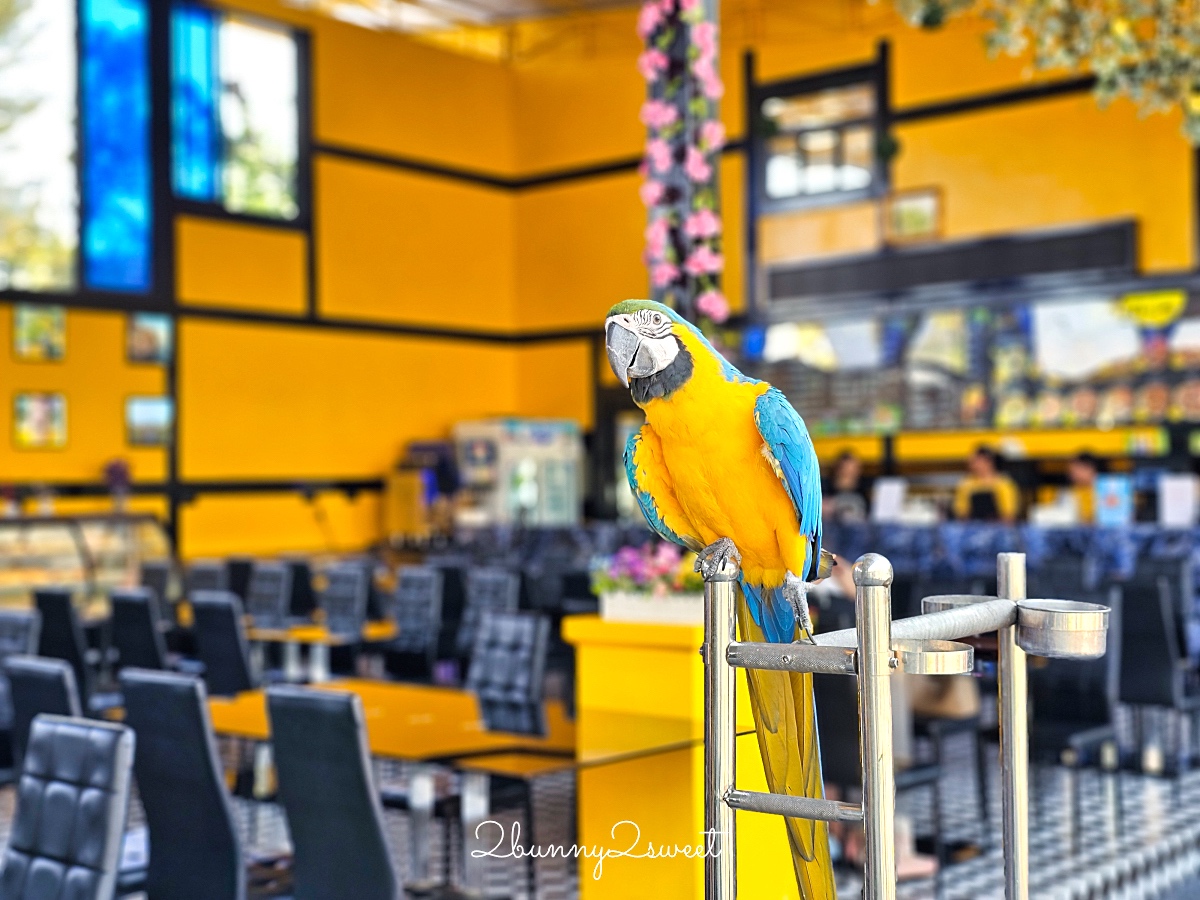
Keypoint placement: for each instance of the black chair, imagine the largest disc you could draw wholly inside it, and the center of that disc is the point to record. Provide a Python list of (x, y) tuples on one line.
[(39, 685), (155, 574), (417, 608), (508, 663), (221, 643), (136, 635), (238, 570), (344, 601), (487, 589), (19, 631), (71, 806), (268, 595), (1153, 666), (328, 793), (302, 599), (207, 575), (62, 638), (195, 850), (836, 699)]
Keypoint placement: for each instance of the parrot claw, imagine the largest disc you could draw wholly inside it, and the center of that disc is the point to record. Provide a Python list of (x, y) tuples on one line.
[(712, 559), (796, 592)]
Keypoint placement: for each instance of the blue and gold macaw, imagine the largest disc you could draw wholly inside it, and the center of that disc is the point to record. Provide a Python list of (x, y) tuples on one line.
[(724, 466)]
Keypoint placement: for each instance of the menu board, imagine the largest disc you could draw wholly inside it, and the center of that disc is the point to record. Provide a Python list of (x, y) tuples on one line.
[(1092, 362)]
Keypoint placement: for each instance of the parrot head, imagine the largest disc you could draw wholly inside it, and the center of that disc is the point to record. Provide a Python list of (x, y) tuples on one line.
[(647, 347)]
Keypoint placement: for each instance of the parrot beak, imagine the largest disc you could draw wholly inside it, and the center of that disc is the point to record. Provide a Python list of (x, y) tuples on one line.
[(633, 356), (622, 345)]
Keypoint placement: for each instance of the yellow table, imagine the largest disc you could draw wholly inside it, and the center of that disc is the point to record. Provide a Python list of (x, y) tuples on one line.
[(640, 686), (317, 638)]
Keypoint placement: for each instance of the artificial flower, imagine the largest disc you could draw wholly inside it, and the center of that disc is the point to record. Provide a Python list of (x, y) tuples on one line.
[(650, 17), (658, 153), (652, 63), (658, 114), (703, 223), (651, 192), (714, 305), (703, 261), (704, 36), (663, 273), (712, 135), (656, 237), (696, 166)]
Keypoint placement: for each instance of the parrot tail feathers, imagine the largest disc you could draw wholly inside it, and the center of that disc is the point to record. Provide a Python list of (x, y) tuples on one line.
[(771, 612)]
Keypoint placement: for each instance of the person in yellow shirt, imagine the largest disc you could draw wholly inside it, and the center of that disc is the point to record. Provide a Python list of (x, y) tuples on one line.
[(1082, 472), (985, 494)]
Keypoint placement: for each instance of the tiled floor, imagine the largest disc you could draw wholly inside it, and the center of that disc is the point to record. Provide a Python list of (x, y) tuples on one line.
[(1147, 847)]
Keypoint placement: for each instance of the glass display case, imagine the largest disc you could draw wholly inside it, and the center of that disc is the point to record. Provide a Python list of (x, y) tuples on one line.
[(91, 554)]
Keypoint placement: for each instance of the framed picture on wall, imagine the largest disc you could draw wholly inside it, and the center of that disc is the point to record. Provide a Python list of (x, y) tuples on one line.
[(40, 421), (149, 338), (148, 421), (912, 216), (39, 333)]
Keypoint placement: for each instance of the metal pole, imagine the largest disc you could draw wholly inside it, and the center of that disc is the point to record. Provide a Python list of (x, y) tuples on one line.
[(1014, 735), (872, 607), (720, 863)]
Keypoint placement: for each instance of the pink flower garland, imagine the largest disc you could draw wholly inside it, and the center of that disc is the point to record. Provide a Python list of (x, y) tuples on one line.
[(682, 248)]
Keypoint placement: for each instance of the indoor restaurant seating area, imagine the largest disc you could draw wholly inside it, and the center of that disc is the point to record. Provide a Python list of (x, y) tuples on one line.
[(599, 450)]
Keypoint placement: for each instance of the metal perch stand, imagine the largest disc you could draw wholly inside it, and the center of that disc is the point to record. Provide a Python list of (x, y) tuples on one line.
[(873, 651)]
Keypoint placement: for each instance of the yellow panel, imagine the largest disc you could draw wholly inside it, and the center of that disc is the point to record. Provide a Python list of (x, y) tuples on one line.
[(266, 524), (281, 401), (868, 449), (240, 266), (409, 248), (579, 251), (386, 92), (96, 380), (1058, 162), (553, 381), (733, 216), (809, 234), (958, 445)]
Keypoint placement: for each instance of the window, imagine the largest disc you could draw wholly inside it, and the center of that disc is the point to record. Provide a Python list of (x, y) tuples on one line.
[(41, 168), (818, 143), (235, 119)]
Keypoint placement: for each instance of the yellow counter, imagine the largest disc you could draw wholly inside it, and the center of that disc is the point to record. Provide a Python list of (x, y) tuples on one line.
[(647, 682)]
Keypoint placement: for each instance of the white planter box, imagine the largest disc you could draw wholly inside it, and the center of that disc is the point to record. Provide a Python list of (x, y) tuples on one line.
[(670, 609)]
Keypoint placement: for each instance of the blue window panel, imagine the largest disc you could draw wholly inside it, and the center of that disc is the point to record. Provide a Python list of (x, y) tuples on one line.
[(116, 145), (195, 137)]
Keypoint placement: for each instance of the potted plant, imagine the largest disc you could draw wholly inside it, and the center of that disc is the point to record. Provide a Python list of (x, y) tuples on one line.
[(652, 583)]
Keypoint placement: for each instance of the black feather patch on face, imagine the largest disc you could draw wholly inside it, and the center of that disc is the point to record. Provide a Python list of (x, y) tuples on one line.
[(663, 384)]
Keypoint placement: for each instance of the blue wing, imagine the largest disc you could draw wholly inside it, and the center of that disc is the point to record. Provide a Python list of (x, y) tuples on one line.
[(646, 501), (784, 432)]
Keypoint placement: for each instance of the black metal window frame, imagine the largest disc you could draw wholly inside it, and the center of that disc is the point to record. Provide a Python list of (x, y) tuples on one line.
[(874, 74), (215, 209)]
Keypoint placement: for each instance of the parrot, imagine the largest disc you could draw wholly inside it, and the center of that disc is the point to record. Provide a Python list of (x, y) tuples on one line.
[(724, 466)]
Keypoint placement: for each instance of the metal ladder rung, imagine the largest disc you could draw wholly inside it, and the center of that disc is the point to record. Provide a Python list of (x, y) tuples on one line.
[(794, 807), (793, 658)]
